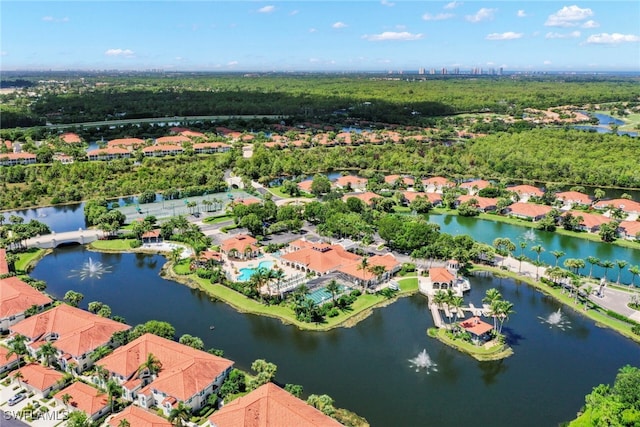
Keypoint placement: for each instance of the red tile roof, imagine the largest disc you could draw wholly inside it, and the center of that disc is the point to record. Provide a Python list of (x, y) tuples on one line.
[(138, 417), (4, 360), (105, 151), (440, 275), (322, 258), (574, 197), (305, 185), (191, 134), (529, 210), (412, 195), (343, 181), (589, 220), (84, 398), (631, 228), (270, 406), (125, 142), (169, 140), (39, 377), (526, 189), (71, 138), (16, 156), (4, 267), (240, 243), (246, 201), (476, 326), (185, 371), (478, 183), (624, 204), (481, 202), (406, 180), (16, 297), (438, 181), (79, 331), (169, 148), (366, 197)]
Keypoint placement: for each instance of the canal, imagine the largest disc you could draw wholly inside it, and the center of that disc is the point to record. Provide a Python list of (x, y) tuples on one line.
[(366, 368)]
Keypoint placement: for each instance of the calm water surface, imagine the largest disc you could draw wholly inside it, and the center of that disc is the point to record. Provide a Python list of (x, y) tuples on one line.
[(366, 368)]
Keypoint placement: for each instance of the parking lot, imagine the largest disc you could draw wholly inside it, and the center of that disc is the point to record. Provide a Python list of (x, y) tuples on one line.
[(27, 411)]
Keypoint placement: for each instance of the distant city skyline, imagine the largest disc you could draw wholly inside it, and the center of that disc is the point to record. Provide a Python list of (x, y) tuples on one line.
[(326, 36)]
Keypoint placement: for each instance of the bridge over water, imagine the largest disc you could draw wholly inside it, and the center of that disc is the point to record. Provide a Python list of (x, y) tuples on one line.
[(53, 240)]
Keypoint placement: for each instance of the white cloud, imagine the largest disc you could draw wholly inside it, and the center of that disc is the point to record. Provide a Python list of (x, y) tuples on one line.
[(568, 16), (313, 30), (53, 19), (453, 5), (437, 17), (615, 38), (393, 35), (546, 62), (4, 53), (267, 9), (339, 25), (126, 53), (232, 63), (387, 3), (509, 35), (590, 24), (483, 14), (521, 13), (571, 35)]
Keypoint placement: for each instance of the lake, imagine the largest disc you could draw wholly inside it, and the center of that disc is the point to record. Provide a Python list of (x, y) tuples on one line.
[(366, 368)]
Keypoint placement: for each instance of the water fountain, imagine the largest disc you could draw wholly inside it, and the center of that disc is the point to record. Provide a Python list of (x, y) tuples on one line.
[(423, 361), (91, 270), (556, 319), (529, 236)]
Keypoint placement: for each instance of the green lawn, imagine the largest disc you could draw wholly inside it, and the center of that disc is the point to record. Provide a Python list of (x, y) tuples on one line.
[(27, 259), (183, 267), (277, 191), (217, 219), (596, 314), (112, 245), (481, 353), (359, 309)]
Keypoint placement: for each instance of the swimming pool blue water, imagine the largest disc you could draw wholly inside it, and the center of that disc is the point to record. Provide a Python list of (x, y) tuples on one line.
[(246, 273)]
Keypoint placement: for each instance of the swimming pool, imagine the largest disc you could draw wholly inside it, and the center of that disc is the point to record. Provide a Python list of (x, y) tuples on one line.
[(247, 272)]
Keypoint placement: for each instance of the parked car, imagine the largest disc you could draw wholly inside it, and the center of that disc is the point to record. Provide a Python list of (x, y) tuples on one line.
[(16, 398)]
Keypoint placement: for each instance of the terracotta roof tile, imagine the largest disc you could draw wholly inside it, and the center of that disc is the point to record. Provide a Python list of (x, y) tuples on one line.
[(138, 417), (39, 377), (17, 296), (84, 398)]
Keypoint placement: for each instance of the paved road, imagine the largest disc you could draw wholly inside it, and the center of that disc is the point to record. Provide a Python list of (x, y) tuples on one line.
[(6, 420)]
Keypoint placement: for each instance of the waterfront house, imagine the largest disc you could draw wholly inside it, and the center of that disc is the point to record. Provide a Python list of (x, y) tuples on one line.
[(211, 147), (528, 211), (571, 199), (127, 143), (184, 374), (367, 197), (441, 278), (191, 134), (7, 362), (625, 205), (87, 399), (474, 186), (477, 328), (172, 140), (434, 198), (4, 267), (39, 379), (350, 182), (71, 138), (207, 258), (437, 184), (354, 273), (590, 222), (162, 150), (319, 258), (75, 333), (269, 405), (137, 417), (16, 298), (629, 230), (151, 236), (241, 246), (525, 192), (401, 181), (12, 159), (483, 204), (305, 185), (111, 153)]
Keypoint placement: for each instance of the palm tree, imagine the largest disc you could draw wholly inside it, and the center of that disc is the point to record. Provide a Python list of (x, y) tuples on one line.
[(592, 261), (504, 309), (606, 265), (558, 255), (364, 266), (455, 303), (101, 373), (18, 376), (378, 271), (151, 366), (492, 296), (46, 352), (113, 391), (635, 271), (74, 298), (18, 347), (176, 254), (333, 287), (621, 264), (588, 290), (66, 398), (440, 298), (538, 249), (179, 414)]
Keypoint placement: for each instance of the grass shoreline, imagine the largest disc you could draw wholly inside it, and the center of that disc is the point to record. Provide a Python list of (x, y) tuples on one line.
[(596, 314), (497, 352)]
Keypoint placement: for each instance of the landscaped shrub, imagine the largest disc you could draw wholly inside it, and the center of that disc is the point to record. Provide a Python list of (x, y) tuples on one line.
[(135, 244), (333, 312), (636, 329), (408, 267), (204, 273), (622, 318), (356, 293)]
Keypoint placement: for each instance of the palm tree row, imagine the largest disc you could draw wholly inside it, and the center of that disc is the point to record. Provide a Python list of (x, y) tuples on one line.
[(499, 308)]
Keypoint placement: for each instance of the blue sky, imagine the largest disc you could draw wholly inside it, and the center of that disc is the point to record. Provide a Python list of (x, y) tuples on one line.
[(320, 35)]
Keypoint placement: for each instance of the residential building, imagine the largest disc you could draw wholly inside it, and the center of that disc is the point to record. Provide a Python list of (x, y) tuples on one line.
[(474, 186), (87, 399), (162, 150), (441, 278), (484, 204), (629, 230), (71, 138), (137, 417), (241, 246), (172, 140), (211, 147), (405, 181), (7, 362), (75, 333), (437, 184), (590, 222), (128, 143), (16, 298), (12, 159), (434, 198), (627, 206), (528, 211), (305, 185), (186, 375), (4, 267), (269, 405), (108, 154), (367, 197), (525, 192), (355, 183), (319, 258), (573, 198), (39, 379)]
